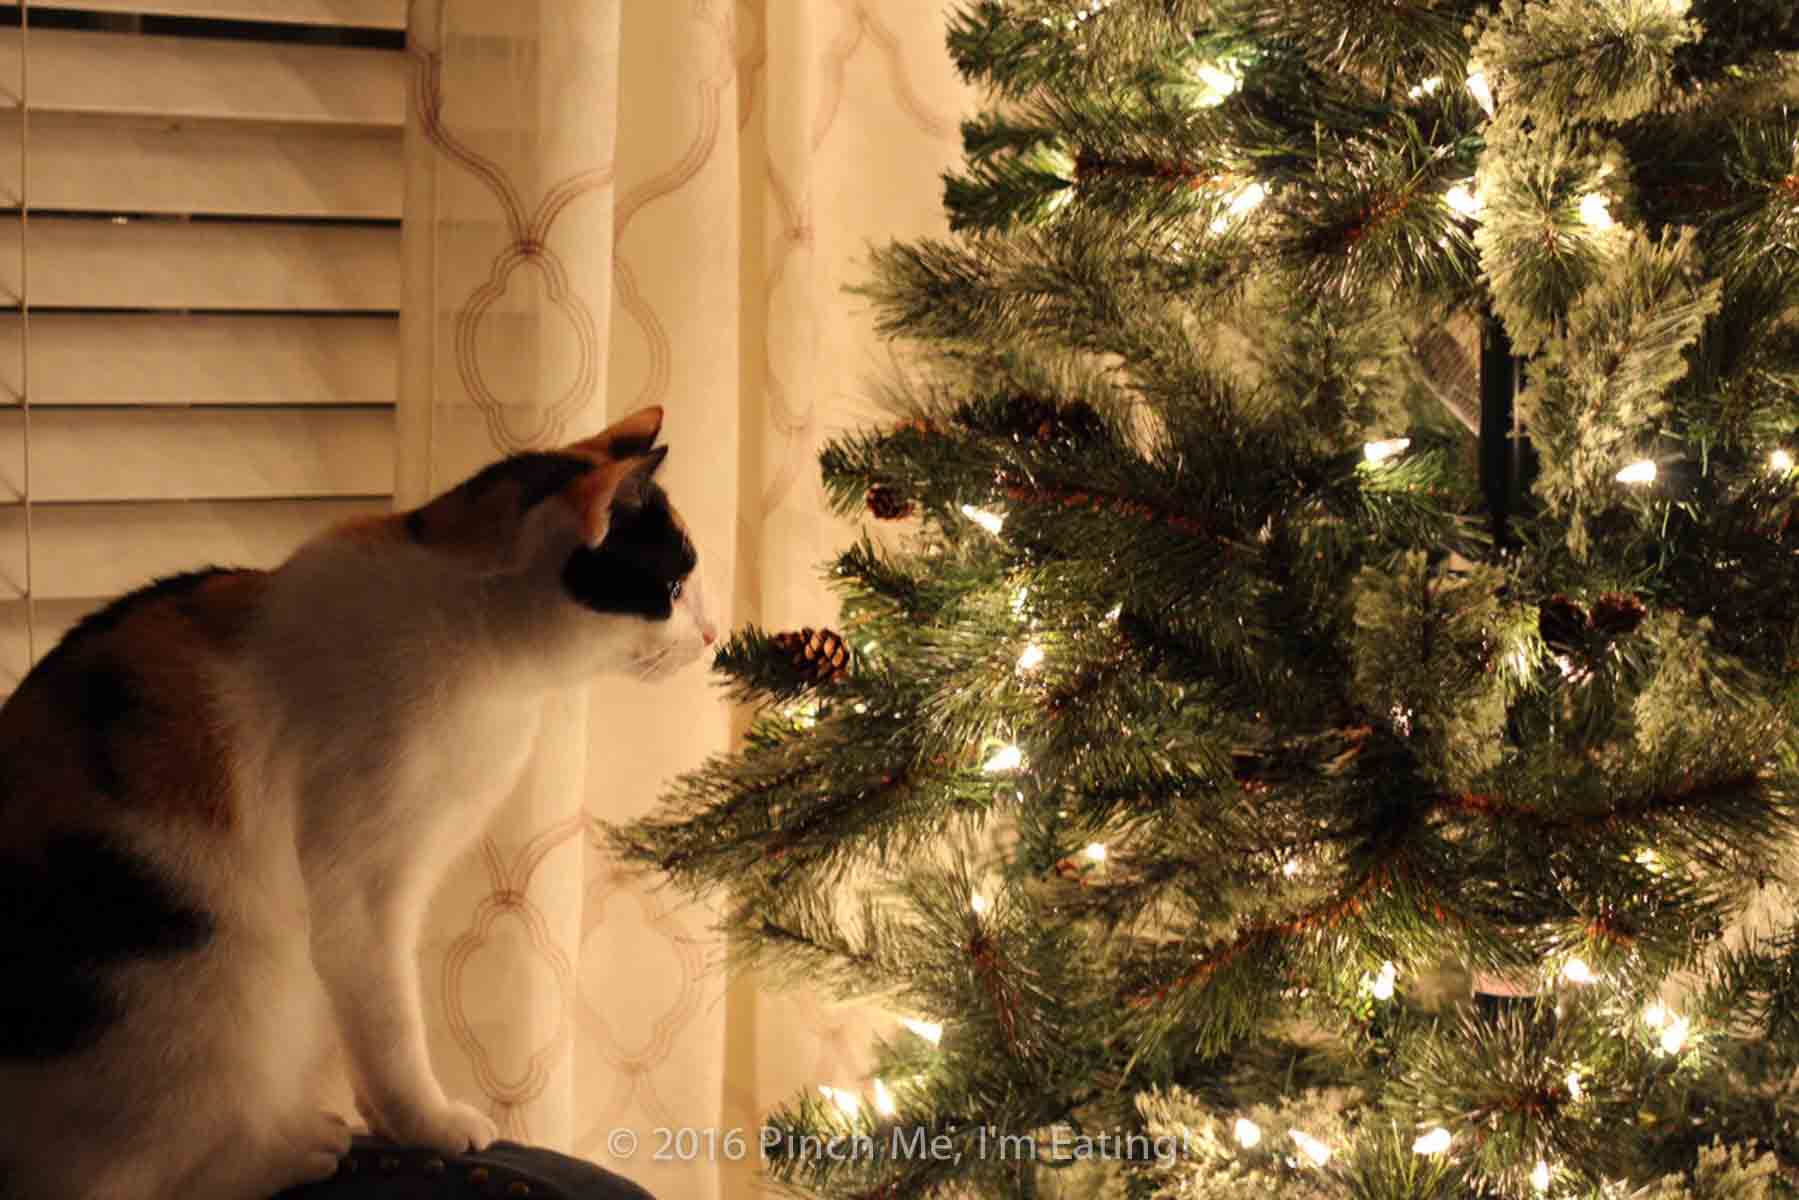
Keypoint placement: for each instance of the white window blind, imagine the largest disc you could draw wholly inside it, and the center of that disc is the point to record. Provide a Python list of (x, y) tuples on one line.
[(199, 289)]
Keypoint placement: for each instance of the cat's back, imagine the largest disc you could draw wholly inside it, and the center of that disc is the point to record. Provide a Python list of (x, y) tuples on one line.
[(120, 723)]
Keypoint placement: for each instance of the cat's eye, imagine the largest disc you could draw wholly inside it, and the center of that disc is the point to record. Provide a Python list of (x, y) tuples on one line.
[(674, 589)]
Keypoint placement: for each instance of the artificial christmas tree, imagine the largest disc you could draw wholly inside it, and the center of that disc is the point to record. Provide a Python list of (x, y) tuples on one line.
[(1238, 708)]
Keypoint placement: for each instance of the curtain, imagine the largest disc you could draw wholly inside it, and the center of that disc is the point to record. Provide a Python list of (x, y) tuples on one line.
[(609, 204)]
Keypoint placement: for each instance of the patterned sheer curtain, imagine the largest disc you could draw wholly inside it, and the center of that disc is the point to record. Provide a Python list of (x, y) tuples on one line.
[(609, 204)]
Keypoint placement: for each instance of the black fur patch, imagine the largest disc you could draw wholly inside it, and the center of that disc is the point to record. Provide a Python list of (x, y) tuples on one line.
[(538, 476), (102, 695), (105, 694), (88, 905), (644, 554)]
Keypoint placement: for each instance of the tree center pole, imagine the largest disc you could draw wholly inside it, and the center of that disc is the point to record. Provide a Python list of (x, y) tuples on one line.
[(1505, 461)]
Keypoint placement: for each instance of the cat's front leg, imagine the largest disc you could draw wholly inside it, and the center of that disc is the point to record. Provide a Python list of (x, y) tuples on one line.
[(366, 952)]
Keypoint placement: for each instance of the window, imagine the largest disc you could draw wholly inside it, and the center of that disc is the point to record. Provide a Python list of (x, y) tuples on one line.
[(199, 290)]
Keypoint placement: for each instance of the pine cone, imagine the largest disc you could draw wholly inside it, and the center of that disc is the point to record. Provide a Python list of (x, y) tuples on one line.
[(1024, 416), (1616, 614), (1567, 627), (820, 655), (1248, 769), (888, 504), (1562, 624), (1074, 423)]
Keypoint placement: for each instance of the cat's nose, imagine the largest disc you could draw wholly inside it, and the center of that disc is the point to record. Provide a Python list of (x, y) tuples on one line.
[(709, 633)]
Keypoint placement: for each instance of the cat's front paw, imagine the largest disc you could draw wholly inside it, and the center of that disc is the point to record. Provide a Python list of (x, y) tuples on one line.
[(449, 1128)]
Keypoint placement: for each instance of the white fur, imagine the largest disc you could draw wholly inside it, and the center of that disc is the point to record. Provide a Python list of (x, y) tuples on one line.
[(385, 704)]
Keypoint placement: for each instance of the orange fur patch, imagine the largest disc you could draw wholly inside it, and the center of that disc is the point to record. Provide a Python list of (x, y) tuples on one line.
[(124, 717), (637, 433)]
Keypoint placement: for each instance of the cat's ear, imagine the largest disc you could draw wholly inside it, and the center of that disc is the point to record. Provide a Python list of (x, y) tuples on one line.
[(616, 483), (627, 439)]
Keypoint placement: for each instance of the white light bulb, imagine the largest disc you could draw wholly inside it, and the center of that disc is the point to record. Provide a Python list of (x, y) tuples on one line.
[(1219, 82), (930, 1031), (1376, 452), (1574, 1088), (1007, 758), (980, 904), (1056, 160), (1674, 1036), (991, 522), (1655, 1014), (1245, 200), (1290, 868), (1031, 659), (1577, 971), (1641, 471), (884, 1100), (1433, 1142), (1112, 613), (1780, 461), (1539, 1177), (1249, 1134), (1595, 211), (1096, 851), (1313, 1149), (1427, 88), (848, 1103), (1383, 982), (1477, 87), (1462, 200)]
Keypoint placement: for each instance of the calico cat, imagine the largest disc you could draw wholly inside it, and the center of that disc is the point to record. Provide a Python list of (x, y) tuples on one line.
[(226, 799)]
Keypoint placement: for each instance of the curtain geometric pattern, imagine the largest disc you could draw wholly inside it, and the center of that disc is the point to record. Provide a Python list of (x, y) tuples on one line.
[(608, 204)]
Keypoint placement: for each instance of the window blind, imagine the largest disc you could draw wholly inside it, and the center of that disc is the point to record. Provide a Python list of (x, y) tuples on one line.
[(199, 290)]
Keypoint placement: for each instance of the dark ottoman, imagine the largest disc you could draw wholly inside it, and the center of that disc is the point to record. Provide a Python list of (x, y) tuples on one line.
[(379, 1170)]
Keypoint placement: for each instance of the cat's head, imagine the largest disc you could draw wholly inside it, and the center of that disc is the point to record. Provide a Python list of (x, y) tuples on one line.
[(583, 553)]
